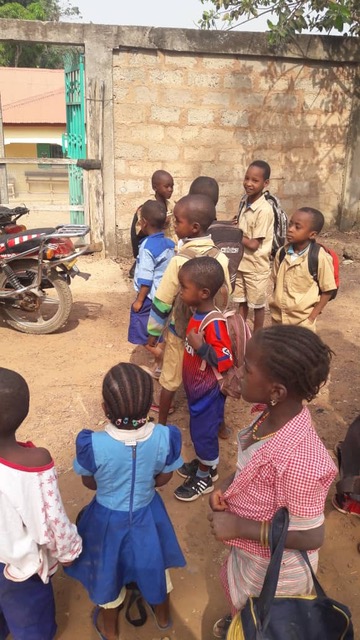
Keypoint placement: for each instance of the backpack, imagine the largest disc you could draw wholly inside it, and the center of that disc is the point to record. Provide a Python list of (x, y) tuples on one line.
[(280, 221), (228, 239), (239, 333), (313, 264), (181, 312)]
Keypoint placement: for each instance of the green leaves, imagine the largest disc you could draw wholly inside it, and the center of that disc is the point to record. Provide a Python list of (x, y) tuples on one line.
[(285, 17), (33, 55)]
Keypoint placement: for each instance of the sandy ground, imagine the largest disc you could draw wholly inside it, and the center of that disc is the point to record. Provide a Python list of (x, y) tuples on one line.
[(65, 372)]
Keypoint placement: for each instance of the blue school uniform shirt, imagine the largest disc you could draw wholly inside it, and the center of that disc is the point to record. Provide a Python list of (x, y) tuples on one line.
[(155, 253)]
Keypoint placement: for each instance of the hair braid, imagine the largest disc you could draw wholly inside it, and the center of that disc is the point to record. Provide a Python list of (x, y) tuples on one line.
[(295, 357), (127, 392)]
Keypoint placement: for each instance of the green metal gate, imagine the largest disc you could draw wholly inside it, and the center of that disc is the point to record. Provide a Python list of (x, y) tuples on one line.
[(74, 141)]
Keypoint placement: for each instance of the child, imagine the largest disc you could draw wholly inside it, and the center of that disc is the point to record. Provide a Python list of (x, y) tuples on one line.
[(193, 216), (297, 298), (256, 220), (155, 253), (127, 534), (225, 235), (347, 497), (163, 185), (281, 463), (36, 533), (200, 279)]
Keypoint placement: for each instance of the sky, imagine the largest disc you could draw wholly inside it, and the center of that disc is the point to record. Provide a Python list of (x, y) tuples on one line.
[(154, 13)]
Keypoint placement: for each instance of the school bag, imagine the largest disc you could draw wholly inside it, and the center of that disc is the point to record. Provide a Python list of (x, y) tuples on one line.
[(239, 332), (271, 617), (181, 312), (313, 264), (280, 221), (228, 239)]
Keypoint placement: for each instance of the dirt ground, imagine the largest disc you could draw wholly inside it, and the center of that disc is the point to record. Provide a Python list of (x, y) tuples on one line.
[(65, 372)]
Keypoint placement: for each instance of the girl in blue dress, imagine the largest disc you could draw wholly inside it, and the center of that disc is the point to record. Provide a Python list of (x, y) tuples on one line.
[(126, 531)]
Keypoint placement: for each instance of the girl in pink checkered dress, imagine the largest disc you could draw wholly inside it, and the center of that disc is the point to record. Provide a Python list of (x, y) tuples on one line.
[(281, 463)]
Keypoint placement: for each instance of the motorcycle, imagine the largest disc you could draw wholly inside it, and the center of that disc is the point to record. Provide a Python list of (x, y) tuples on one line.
[(36, 268)]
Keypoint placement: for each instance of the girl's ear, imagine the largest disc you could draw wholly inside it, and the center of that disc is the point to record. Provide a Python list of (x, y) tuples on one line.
[(196, 227), (278, 393)]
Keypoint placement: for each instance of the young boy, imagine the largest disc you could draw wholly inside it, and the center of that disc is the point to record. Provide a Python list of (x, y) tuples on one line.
[(193, 216), (200, 279), (297, 298), (155, 253), (36, 533), (163, 185), (225, 235), (256, 220)]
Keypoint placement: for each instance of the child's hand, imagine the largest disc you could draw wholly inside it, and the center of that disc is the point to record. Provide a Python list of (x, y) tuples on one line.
[(224, 525), (217, 501), (136, 306), (195, 340)]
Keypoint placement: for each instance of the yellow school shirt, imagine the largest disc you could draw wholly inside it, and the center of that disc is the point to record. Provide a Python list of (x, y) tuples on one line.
[(169, 284), (257, 221), (169, 229), (295, 290)]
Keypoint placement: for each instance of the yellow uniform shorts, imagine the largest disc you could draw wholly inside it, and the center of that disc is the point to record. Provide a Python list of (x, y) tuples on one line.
[(251, 288), (171, 371)]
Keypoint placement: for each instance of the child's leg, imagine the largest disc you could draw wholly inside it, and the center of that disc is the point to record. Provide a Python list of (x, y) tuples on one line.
[(259, 317), (165, 404), (106, 617), (204, 427), (243, 309), (162, 610), (171, 374)]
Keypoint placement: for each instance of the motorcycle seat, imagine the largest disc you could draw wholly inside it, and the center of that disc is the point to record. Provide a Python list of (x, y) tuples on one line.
[(23, 240)]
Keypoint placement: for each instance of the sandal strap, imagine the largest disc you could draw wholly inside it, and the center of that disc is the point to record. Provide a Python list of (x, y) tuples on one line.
[(136, 601)]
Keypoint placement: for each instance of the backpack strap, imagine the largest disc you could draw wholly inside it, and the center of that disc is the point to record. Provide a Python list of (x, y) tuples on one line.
[(282, 255), (313, 261), (188, 252), (212, 316)]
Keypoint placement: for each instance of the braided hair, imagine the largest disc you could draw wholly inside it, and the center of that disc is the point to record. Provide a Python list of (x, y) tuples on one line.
[(127, 392), (296, 357)]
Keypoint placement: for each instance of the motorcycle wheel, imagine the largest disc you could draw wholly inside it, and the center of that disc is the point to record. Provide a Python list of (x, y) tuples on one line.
[(54, 304)]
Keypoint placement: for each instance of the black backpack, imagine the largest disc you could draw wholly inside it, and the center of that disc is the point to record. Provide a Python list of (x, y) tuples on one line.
[(228, 239)]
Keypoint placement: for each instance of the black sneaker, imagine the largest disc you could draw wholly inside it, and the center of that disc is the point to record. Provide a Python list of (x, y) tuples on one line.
[(190, 468), (193, 488)]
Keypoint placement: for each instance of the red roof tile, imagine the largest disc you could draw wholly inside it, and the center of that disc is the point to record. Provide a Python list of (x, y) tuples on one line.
[(32, 96)]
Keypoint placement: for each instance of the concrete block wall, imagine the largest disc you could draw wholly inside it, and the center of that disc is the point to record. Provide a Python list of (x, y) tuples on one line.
[(200, 114)]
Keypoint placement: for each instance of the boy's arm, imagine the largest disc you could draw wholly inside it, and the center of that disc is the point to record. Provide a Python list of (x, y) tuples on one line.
[(251, 243), (326, 283), (164, 300), (324, 299), (264, 222), (213, 345), (140, 298)]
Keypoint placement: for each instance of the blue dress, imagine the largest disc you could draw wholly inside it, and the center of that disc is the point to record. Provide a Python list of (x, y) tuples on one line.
[(126, 531)]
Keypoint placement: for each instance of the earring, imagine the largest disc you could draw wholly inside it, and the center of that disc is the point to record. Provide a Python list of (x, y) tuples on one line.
[(273, 403)]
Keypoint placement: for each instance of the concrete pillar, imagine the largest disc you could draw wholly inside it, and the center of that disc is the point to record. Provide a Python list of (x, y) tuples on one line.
[(349, 214)]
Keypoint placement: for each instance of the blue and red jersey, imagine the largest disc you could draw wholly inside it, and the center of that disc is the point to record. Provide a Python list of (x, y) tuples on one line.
[(216, 351)]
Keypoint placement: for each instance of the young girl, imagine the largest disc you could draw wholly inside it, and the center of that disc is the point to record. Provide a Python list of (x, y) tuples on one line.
[(281, 463), (127, 534)]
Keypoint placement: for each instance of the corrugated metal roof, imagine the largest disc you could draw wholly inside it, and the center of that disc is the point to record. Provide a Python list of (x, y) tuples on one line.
[(32, 96)]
